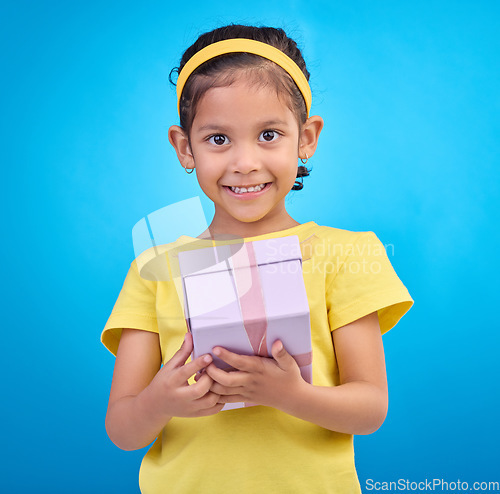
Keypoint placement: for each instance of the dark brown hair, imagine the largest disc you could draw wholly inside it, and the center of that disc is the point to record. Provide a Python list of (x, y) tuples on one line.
[(222, 71)]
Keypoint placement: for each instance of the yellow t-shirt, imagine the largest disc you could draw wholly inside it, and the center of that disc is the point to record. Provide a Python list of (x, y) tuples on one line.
[(347, 275)]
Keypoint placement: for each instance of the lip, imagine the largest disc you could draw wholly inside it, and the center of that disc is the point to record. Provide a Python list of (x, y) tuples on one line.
[(247, 195)]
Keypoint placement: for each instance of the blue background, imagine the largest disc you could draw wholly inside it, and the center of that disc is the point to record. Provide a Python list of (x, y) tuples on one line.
[(409, 94)]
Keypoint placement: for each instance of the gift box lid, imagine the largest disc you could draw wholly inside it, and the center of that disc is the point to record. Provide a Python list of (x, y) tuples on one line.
[(209, 289)]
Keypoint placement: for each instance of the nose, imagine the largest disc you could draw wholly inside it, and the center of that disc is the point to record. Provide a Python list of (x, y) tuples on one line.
[(246, 158)]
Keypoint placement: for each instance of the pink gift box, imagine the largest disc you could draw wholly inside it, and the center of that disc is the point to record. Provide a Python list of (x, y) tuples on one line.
[(244, 297)]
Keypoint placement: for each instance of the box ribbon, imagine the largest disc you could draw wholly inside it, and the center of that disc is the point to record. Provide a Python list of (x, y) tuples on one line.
[(251, 300), (250, 296)]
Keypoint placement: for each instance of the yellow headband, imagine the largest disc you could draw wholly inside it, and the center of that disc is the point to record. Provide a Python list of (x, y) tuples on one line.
[(247, 46)]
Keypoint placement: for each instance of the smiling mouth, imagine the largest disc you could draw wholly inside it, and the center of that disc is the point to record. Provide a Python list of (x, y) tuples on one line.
[(246, 189)]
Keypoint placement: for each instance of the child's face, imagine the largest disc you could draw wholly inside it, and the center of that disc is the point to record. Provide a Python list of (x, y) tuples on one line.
[(243, 135)]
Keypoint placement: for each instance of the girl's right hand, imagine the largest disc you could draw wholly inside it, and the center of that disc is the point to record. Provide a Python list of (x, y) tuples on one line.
[(172, 394), (144, 396)]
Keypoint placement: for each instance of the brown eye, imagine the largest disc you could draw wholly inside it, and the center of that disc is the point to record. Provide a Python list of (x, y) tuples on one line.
[(218, 139), (268, 135)]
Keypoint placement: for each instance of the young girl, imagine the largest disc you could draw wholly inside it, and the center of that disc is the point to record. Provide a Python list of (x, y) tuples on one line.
[(244, 101)]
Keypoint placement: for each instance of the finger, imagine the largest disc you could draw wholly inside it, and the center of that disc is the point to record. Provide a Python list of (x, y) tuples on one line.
[(182, 354), (231, 398), (187, 370), (230, 379), (284, 360), (195, 394), (200, 388), (225, 390), (207, 401), (240, 362), (204, 412)]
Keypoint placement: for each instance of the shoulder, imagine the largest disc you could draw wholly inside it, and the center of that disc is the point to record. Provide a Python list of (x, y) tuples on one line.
[(326, 241), (360, 278), (156, 263), (340, 235)]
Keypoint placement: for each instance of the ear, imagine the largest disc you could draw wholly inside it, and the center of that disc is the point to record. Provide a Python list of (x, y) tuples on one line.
[(179, 140), (309, 136)]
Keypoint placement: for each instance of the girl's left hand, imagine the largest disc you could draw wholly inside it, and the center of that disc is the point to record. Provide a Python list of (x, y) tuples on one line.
[(265, 381)]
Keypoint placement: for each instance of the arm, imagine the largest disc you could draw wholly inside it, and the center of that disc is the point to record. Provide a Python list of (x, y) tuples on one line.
[(144, 396), (357, 406)]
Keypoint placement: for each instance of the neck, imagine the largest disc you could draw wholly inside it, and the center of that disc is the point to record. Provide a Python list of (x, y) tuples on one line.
[(253, 229)]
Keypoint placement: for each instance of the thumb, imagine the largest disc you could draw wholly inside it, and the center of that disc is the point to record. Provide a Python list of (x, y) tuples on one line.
[(284, 360), (182, 354)]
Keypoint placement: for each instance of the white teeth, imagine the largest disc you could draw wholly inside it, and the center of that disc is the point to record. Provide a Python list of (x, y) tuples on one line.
[(242, 190)]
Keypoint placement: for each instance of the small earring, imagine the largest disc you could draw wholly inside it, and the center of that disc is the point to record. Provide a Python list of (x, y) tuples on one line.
[(186, 170), (304, 160)]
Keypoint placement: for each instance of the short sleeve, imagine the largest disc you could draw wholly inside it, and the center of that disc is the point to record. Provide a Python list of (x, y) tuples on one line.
[(135, 308), (365, 282)]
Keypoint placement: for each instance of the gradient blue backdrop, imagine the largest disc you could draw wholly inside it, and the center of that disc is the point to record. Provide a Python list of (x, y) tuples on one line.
[(409, 94)]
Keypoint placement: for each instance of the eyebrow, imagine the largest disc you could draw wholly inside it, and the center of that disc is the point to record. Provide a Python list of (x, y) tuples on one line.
[(273, 123), (212, 127), (220, 128)]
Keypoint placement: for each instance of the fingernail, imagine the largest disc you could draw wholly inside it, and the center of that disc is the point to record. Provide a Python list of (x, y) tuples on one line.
[(207, 359), (216, 351)]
